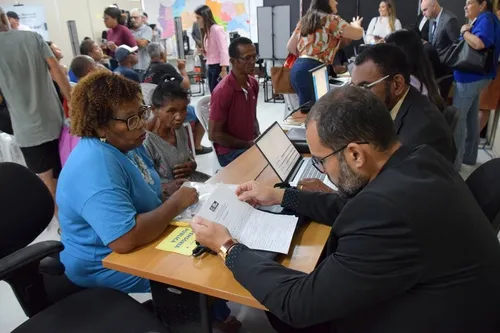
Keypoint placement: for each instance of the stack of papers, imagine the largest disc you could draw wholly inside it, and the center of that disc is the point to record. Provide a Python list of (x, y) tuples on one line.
[(257, 230)]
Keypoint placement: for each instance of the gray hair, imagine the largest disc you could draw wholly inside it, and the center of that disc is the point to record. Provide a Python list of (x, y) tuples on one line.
[(137, 10), (155, 50), (352, 114)]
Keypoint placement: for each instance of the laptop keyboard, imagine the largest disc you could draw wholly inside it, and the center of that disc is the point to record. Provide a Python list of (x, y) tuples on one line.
[(311, 172)]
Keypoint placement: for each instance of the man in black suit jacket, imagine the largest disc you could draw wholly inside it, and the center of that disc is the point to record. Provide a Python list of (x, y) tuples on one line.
[(409, 250), (384, 70), (443, 26)]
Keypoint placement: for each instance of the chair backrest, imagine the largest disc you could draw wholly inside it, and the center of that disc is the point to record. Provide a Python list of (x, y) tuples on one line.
[(203, 111), (484, 184), (147, 92), (26, 207), (452, 116)]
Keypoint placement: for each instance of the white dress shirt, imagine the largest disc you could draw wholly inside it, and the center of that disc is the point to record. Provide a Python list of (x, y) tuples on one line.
[(379, 27)]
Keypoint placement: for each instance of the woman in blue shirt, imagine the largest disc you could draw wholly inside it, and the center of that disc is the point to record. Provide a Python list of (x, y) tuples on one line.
[(109, 194), (483, 33)]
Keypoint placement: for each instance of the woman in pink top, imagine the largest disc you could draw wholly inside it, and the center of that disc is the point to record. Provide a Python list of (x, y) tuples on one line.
[(118, 34), (215, 46)]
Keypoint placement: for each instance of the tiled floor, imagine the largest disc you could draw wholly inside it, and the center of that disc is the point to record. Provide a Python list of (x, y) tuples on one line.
[(11, 314)]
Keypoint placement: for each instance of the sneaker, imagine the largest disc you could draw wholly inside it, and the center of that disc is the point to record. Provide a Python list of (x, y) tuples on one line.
[(204, 150)]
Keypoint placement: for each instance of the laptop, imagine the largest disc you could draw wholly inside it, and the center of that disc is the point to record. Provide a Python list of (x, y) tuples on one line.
[(321, 81), (285, 159)]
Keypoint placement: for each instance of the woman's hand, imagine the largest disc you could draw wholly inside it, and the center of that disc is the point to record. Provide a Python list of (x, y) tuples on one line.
[(313, 185), (357, 21), (256, 194), (172, 187), (210, 234), (184, 197), (112, 46), (465, 28), (184, 170)]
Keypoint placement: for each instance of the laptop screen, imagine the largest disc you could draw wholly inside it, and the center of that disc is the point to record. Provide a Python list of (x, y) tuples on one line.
[(320, 81), (278, 150)]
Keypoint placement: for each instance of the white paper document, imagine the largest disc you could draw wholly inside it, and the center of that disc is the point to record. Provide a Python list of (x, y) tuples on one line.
[(255, 229)]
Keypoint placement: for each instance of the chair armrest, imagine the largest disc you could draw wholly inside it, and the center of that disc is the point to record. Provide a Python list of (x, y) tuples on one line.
[(27, 256)]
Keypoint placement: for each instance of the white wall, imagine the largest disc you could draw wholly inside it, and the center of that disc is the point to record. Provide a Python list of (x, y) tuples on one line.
[(86, 13)]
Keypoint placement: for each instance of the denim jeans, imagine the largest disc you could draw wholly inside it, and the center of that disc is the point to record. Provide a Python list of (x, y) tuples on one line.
[(213, 76), (224, 160), (301, 79), (466, 100)]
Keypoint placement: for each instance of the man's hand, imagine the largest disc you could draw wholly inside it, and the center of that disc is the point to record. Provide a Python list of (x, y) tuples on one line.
[(465, 28), (184, 170), (181, 64), (256, 194), (210, 234), (185, 197), (172, 187), (313, 185)]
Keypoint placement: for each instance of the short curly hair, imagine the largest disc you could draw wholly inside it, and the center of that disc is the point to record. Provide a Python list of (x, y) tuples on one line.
[(95, 97)]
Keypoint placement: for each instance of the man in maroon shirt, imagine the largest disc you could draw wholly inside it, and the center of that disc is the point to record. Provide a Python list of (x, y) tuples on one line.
[(233, 121)]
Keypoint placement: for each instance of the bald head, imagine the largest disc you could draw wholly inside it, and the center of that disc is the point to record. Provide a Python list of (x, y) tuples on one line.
[(430, 9), (4, 21), (82, 65)]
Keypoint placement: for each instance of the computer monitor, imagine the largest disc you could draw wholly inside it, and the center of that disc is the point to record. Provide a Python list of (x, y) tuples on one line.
[(320, 81)]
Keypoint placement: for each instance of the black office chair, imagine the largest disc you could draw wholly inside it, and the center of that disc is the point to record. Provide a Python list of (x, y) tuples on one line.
[(452, 116), (26, 208), (484, 184)]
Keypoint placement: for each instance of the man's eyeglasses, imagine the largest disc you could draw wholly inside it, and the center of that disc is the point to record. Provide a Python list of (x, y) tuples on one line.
[(368, 86), (319, 164), (250, 58), (134, 121)]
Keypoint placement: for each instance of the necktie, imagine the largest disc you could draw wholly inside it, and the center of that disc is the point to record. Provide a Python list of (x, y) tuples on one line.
[(433, 31)]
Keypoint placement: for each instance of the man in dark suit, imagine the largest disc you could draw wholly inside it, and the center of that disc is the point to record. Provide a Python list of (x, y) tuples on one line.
[(384, 70), (443, 26), (409, 251)]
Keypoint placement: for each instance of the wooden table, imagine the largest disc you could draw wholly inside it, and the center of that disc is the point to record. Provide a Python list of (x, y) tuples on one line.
[(208, 275)]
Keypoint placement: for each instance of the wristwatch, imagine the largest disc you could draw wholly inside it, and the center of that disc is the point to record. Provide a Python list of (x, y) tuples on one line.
[(224, 249)]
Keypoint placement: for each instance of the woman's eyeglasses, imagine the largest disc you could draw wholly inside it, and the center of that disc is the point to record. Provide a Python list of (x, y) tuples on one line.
[(134, 121)]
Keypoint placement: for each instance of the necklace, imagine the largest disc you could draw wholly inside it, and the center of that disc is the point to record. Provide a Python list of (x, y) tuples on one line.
[(139, 163)]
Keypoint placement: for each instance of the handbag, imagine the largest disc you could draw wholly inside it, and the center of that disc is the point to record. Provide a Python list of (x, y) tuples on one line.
[(464, 58), (280, 76)]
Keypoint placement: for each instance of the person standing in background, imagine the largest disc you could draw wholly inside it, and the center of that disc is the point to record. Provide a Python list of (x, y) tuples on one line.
[(316, 41), (483, 33), (157, 30), (28, 66), (143, 35), (383, 25), (117, 34), (214, 47), (490, 97)]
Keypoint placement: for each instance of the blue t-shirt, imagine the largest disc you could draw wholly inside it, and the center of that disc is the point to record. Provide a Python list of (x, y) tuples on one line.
[(487, 28), (99, 193), (72, 77), (128, 73)]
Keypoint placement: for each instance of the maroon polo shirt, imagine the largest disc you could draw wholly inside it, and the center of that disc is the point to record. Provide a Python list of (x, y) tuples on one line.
[(237, 109), (121, 35)]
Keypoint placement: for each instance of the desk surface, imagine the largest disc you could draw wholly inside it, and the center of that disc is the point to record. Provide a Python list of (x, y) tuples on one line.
[(209, 275)]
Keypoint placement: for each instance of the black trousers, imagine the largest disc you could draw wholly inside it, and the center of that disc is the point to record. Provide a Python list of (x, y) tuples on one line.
[(5, 123), (213, 76), (280, 327)]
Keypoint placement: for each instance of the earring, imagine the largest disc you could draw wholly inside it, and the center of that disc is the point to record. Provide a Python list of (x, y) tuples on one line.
[(103, 140)]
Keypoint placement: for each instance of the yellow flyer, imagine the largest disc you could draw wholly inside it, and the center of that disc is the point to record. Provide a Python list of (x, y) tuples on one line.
[(182, 241)]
